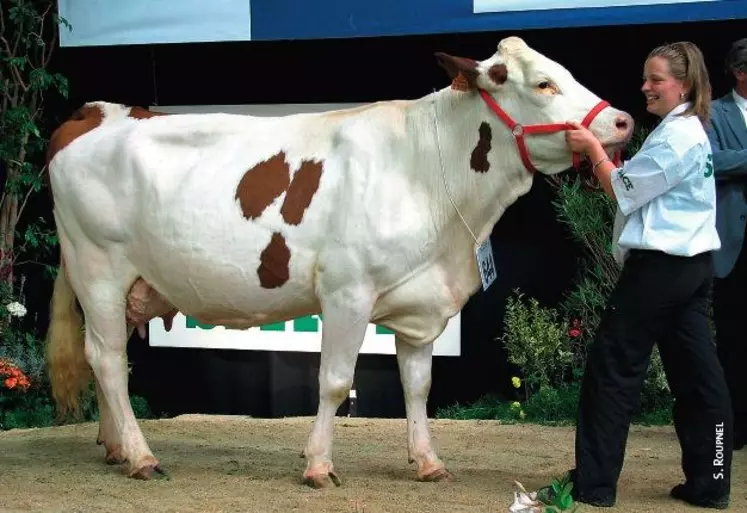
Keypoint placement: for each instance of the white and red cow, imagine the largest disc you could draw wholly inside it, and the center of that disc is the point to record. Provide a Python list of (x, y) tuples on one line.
[(363, 215)]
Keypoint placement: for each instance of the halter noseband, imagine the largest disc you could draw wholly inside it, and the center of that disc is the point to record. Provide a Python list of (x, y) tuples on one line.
[(519, 130)]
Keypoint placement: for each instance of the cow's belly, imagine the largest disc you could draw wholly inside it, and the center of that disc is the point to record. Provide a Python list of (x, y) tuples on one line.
[(218, 280), (214, 265)]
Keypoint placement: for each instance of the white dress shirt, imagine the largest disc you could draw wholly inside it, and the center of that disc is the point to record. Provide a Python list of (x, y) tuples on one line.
[(742, 104), (666, 192)]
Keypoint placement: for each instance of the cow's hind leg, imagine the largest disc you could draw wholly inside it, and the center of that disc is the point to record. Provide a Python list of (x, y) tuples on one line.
[(108, 434), (415, 374), (346, 317), (103, 302), (106, 352)]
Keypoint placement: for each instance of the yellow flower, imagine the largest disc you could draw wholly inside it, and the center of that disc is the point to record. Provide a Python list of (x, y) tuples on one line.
[(515, 405), (516, 382)]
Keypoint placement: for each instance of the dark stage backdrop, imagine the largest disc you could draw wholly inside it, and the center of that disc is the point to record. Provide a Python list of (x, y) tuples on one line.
[(533, 251)]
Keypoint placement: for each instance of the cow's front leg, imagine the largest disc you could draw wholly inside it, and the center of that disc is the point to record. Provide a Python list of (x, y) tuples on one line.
[(415, 374), (346, 316)]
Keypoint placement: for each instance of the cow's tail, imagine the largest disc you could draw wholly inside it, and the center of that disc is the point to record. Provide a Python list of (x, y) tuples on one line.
[(69, 372)]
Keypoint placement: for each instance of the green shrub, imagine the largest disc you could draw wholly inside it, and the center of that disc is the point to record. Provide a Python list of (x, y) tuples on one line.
[(537, 342)]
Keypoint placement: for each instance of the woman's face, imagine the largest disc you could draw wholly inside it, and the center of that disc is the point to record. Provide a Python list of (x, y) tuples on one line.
[(662, 90)]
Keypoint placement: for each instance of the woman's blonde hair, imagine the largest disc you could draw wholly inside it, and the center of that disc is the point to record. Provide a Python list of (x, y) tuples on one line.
[(686, 63)]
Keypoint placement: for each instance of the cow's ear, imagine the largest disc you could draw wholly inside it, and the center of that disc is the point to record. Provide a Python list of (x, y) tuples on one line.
[(462, 71)]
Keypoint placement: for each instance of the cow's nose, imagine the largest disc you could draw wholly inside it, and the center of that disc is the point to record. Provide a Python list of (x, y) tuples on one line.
[(624, 124)]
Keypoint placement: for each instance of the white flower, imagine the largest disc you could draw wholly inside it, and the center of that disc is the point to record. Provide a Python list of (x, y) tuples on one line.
[(16, 309), (525, 502)]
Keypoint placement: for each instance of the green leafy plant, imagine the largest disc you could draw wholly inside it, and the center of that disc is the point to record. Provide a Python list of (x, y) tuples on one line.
[(537, 342), (28, 38), (554, 498), (559, 496)]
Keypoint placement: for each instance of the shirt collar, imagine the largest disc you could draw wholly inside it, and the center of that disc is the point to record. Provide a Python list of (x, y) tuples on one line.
[(682, 107), (739, 100)]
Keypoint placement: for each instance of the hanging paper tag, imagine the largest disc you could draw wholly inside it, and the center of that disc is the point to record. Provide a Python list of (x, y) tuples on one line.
[(485, 263)]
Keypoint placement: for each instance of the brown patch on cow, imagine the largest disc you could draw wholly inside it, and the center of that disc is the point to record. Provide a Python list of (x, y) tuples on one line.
[(141, 113), (81, 122), (498, 73), (460, 83), (273, 270), (302, 189), (479, 159), (262, 184)]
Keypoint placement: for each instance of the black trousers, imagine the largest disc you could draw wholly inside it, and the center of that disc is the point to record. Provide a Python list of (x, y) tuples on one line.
[(730, 318), (660, 299)]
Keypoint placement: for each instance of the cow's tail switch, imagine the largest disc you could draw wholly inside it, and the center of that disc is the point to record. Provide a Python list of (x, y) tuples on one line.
[(69, 372)]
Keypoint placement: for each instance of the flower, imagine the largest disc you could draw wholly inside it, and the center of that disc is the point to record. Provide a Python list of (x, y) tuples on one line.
[(575, 330), (516, 382), (525, 502), (16, 309), (14, 377), (516, 405)]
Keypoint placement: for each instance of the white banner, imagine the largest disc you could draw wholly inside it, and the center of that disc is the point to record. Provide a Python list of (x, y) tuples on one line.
[(482, 6), (121, 22), (302, 334)]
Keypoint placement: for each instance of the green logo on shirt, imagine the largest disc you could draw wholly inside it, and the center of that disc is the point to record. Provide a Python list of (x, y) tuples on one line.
[(709, 166)]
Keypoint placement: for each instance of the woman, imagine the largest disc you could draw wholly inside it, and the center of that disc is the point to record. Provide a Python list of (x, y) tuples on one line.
[(664, 233)]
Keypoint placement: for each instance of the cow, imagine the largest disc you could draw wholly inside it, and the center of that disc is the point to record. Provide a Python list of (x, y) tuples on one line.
[(369, 214)]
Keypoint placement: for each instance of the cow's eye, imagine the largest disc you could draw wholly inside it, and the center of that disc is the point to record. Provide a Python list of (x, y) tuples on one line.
[(546, 87)]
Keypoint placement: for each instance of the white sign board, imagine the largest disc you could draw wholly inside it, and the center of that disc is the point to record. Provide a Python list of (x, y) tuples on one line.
[(481, 6), (302, 334), (122, 22)]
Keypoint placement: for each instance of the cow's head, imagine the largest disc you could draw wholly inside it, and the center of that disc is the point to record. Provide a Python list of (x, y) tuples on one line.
[(535, 90)]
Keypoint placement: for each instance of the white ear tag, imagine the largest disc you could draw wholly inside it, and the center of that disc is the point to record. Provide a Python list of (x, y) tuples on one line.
[(485, 263)]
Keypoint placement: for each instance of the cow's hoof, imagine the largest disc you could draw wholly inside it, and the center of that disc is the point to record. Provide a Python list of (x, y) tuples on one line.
[(328, 480), (114, 456), (149, 472), (439, 475)]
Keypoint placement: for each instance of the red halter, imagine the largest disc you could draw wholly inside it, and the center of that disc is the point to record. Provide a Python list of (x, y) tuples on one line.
[(519, 130)]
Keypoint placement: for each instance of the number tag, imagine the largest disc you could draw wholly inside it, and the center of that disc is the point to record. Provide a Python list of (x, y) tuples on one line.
[(485, 263)]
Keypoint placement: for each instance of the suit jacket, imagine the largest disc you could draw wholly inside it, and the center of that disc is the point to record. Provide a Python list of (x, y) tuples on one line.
[(728, 136)]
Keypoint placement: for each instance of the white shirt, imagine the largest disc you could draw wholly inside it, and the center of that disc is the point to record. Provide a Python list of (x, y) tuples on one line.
[(666, 193), (742, 104)]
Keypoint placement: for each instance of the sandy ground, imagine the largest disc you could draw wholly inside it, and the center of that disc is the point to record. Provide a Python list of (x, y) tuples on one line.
[(220, 464)]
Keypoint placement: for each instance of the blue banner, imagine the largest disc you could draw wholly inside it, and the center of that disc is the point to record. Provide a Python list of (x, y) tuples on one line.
[(304, 19), (115, 22)]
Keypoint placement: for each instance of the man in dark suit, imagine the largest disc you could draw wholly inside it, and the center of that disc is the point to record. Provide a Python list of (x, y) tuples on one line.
[(728, 136)]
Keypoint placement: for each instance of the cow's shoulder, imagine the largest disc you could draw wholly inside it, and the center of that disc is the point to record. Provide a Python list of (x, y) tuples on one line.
[(369, 126)]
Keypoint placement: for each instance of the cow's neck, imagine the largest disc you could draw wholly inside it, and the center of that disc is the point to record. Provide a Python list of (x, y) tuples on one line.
[(482, 182)]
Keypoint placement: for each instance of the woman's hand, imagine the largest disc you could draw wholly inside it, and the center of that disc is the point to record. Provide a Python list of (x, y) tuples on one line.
[(580, 139)]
